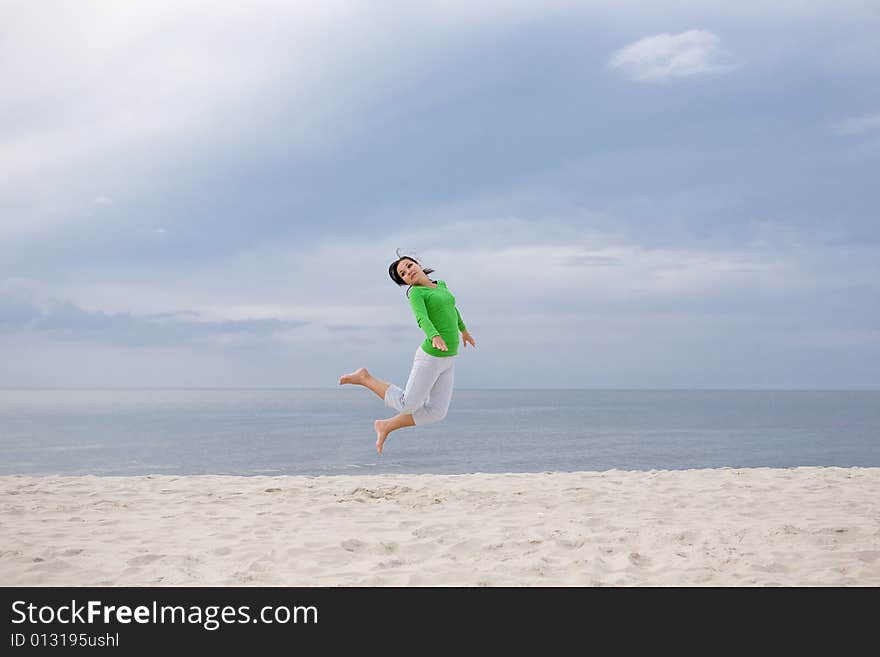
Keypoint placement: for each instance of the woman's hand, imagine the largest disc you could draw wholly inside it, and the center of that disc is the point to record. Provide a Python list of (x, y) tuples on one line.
[(465, 338), (437, 343)]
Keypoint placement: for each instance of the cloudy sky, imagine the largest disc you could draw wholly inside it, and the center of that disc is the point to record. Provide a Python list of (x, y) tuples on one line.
[(619, 194)]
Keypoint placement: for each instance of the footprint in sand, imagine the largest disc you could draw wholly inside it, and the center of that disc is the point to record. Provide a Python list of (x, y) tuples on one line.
[(144, 559), (353, 545)]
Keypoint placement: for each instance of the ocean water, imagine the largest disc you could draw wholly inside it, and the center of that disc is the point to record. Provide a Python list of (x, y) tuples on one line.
[(330, 431)]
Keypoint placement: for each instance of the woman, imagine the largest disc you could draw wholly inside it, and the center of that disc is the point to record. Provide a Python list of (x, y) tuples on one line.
[(429, 387)]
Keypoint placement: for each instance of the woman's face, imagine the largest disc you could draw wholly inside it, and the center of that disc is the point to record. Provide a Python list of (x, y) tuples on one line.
[(409, 271)]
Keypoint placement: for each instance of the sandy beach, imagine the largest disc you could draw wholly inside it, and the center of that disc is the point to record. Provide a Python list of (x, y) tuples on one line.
[(805, 526)]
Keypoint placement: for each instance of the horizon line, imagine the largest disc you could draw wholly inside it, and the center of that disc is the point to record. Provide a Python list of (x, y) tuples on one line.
[(337, 387)]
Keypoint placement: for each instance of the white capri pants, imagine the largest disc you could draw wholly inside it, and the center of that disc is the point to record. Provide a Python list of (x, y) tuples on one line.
[(428, 389)]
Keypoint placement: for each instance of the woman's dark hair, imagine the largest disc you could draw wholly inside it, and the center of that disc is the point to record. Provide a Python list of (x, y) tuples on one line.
[(392, 270)]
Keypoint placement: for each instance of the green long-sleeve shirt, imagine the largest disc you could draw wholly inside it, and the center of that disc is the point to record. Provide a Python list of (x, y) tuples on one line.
[(436, 314)]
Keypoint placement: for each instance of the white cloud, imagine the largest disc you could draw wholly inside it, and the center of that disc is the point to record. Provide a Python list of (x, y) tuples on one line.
[(666, 56), (857, 125)]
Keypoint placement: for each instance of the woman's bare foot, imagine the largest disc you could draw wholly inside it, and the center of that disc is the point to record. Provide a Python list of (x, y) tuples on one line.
[(382, 430), (358, 376)]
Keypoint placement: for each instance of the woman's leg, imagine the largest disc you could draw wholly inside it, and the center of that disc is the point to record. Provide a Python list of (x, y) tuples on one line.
[(425, 399), (436, 406), (424, 372), (433, 409), (362, 377), (384, 427)]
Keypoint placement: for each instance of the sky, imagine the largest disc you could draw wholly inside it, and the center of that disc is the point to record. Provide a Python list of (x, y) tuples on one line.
[(619, 194)]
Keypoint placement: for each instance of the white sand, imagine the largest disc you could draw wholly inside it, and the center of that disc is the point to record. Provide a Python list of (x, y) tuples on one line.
[(766, 527)]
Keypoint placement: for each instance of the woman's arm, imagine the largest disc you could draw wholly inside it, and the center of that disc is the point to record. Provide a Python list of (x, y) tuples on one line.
[(417, 303), (465, 336)]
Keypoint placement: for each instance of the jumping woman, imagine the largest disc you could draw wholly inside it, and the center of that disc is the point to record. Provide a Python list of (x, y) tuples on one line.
[(429, 387)]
